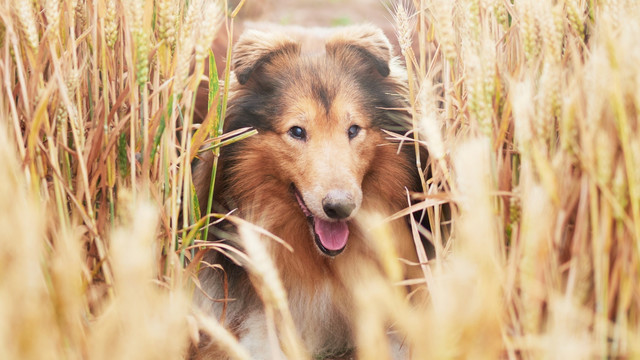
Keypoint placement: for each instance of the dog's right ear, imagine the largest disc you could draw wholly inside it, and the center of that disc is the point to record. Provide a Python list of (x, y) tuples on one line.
[(255, 49)]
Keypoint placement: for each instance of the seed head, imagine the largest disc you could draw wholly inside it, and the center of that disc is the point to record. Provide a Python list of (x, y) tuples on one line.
[(404, 26), (24, 12), (552, 26), (111, 24), (472, 20), (501, 14), (140, 39), (480, 82), (443, 13), (186, 44), (81, 17), (210, 21), (528, 29), (574, 14), (167, 18), (52, 12), (547, 100), (429, 126)]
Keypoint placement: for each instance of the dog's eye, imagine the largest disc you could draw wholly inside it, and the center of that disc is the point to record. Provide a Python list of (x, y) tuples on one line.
[(297, 132), (353, 131)]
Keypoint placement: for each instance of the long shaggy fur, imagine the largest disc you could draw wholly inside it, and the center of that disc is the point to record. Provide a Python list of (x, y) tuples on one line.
[(325, 81)]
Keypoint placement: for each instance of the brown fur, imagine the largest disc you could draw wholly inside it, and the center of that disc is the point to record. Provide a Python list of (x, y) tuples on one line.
[(324, 81)]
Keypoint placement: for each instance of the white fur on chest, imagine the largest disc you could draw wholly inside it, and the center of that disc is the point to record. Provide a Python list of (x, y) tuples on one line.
[(322, 327)]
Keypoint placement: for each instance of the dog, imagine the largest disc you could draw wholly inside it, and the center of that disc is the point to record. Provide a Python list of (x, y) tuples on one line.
[(324, 103)]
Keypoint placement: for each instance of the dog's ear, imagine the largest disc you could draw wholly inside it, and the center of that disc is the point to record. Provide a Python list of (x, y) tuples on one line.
[(361, 46), (255, 48)]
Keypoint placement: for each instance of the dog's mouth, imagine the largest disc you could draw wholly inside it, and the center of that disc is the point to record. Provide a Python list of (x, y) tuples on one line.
[(330, 236)]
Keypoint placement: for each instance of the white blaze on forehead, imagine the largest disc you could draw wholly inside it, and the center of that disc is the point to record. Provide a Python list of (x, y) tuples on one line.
[(330, 161)]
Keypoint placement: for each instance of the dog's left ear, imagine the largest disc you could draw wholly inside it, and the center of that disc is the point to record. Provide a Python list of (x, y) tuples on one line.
[(361, 46)]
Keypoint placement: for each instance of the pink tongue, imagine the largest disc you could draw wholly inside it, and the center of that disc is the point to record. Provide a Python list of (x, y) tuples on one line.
[(333, 235)]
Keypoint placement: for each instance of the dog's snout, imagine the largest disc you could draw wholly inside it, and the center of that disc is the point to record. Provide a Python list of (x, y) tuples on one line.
[(338, 205)]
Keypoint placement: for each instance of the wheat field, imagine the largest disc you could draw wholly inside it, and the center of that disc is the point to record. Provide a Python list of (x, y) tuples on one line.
[(530, 111)]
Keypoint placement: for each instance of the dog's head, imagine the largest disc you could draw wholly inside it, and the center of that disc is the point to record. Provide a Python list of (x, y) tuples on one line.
[(320, 117)]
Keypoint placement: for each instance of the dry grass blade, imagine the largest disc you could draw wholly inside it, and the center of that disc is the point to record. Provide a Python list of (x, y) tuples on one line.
[(273, 295)]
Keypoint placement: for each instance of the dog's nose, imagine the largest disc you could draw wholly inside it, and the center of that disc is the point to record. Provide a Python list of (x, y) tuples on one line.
[(338, 205)]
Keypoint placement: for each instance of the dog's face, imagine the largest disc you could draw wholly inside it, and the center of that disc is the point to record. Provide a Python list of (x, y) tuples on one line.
[(324, 150), (320, 119)]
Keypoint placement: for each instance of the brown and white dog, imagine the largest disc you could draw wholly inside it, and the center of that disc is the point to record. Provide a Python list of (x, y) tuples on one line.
[(320, 100)]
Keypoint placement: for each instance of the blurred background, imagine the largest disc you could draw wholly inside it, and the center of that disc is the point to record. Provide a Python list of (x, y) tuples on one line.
[(322, 13)]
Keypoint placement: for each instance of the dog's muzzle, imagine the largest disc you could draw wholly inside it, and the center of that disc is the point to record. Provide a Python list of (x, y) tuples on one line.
[(330, 235)]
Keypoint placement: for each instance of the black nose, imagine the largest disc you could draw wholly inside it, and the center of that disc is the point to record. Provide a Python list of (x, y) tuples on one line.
[(338, 206)]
